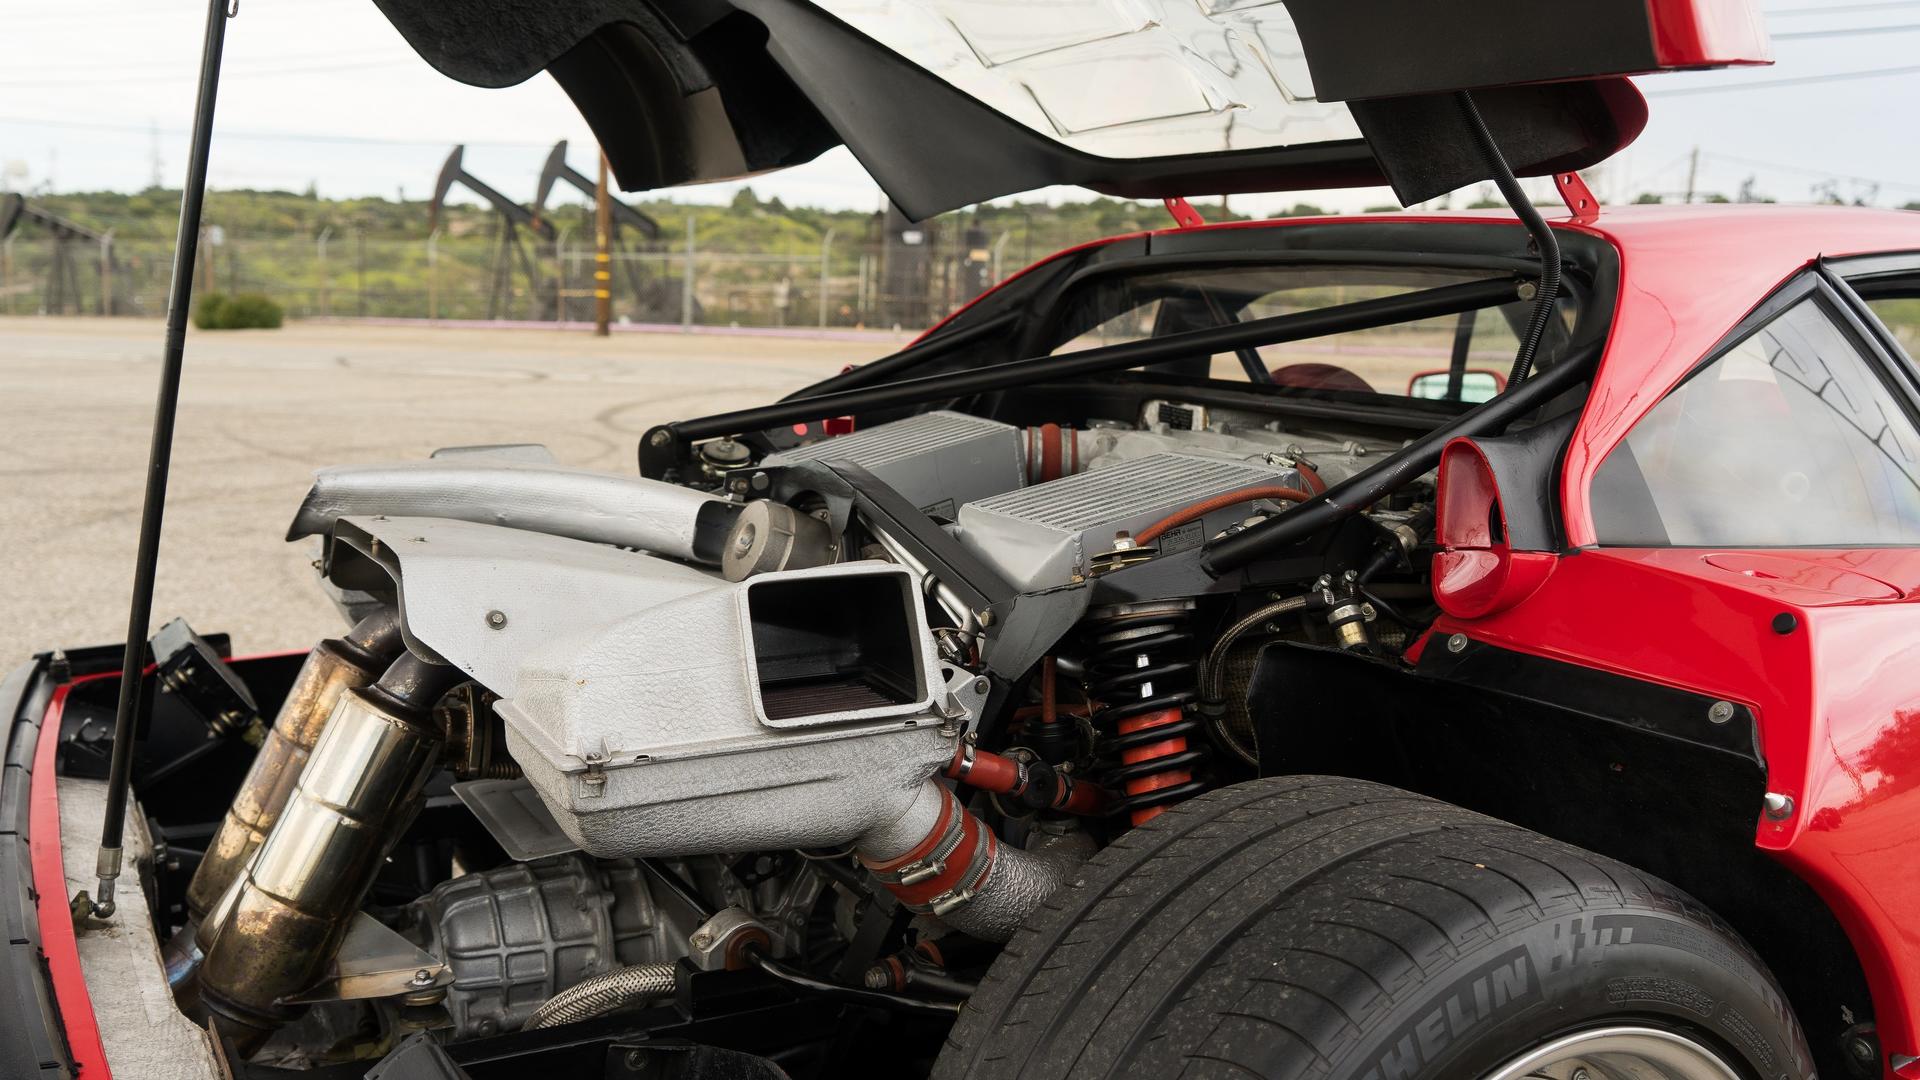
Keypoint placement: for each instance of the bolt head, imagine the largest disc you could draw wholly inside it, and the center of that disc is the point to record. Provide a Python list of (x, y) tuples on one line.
[(423, 976), (496, 619), (1457, 643), (702, 940), (1720, 712), (660, 438), (1778, 807)]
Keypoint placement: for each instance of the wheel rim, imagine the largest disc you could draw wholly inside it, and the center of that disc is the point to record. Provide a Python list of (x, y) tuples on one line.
[(1618, 1053)]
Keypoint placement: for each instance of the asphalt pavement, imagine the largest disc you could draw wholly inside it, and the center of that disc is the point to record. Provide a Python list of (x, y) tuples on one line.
[(261, 410)]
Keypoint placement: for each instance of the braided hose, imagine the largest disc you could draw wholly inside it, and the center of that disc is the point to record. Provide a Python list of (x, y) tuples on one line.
[(603, 994), (1213, 677)]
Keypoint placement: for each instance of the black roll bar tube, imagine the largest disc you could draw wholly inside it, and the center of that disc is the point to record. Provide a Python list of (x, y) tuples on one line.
[(1272, 330), (1363, 489), (912, 356)]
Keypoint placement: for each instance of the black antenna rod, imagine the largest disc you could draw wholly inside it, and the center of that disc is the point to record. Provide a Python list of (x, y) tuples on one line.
[(159, 458)]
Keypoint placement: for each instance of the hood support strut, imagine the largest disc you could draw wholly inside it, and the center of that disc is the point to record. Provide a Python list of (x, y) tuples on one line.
[(159, 460)]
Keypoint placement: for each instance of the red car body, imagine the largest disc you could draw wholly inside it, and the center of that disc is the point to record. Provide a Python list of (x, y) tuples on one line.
[(1837, 703)]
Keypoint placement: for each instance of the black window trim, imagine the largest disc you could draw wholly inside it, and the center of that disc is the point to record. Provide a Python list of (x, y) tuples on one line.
[(1822, 283), (1890, 362), (1853, 278)]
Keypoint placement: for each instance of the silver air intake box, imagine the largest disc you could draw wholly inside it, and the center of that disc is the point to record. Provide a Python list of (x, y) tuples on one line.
[(1043, 536), (661, 710), (937, 461), (783, 711)]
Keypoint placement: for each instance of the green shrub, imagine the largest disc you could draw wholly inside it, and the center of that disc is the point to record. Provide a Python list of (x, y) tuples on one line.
[(209, 312), (247, 311)]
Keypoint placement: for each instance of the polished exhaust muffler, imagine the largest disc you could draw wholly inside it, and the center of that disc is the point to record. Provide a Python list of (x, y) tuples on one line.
[(275, 931), (334, 667)]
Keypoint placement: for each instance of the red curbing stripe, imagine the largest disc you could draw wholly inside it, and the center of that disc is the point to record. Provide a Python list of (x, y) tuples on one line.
[(50, 891)]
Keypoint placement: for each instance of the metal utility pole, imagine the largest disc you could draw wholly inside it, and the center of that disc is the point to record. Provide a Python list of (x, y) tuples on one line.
[(826, 247), (1693, 172), (433, 276), (210, 237), (602, 253), (686, 284), (326, 279), (106, 272)]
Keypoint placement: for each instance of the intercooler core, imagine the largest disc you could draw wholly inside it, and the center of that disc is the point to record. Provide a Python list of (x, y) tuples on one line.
[(1047, 534)]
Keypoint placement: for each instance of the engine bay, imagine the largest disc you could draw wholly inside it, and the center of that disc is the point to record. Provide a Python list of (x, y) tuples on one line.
[(801, 724), (725, 732)]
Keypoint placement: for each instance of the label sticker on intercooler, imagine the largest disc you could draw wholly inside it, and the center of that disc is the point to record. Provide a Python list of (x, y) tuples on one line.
[(942, 509), (1181, 538)]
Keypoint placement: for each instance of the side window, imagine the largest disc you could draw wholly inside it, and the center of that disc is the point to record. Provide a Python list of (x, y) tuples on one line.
[(1902, 317), (1790, 439), (1130, 325)]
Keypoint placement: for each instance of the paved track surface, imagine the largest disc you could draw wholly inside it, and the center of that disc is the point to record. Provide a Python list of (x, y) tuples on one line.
[(260, 410)]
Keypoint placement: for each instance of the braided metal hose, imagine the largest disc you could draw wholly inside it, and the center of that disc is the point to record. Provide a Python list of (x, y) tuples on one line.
[(603, 994)]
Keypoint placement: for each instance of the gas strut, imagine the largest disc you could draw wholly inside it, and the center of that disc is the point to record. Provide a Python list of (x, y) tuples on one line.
[(1543, 239), (159, 458)]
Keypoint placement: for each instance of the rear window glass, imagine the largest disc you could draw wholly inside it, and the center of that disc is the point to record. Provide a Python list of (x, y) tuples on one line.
[(1790, 439), (1412, 359)]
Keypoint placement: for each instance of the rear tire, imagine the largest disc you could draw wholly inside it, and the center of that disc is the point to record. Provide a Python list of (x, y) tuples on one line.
[(1323, 927)]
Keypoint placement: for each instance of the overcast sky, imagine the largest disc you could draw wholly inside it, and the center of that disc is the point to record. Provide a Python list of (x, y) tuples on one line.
[(98, 94)]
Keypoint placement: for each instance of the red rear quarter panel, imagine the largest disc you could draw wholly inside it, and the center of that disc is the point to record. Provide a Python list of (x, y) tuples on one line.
[(1837, 699)]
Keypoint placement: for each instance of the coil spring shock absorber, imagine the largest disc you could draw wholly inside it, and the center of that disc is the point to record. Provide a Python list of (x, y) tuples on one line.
[(1141, 670)]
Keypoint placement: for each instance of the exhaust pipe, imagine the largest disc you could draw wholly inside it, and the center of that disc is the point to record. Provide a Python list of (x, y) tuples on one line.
[(334, 667), (278, 927)]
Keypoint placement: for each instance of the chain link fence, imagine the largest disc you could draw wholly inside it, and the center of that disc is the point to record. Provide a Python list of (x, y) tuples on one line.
[(908, 277)]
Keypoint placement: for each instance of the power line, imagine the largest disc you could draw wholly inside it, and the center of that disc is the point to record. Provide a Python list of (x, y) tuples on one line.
[(1806, 171), (1803, 80), (1856, 31), (264, 72), (1842, 9), (138, 67), (275, 136)]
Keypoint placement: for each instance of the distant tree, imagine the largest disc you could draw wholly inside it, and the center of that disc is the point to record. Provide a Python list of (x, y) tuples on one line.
[(744, 201), (1716, 198), (1911, 206), (1384, 208), (1305, 210), (1486, 204), (1647, 198)]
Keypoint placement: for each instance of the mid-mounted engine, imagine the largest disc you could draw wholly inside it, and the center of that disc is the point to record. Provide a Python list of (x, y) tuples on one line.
[(852, 698)]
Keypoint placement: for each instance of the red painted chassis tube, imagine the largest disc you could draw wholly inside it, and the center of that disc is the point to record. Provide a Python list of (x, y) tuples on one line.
[(50, 897)]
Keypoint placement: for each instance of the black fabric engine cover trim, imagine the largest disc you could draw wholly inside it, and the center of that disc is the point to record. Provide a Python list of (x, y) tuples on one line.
[(684, 91), (1392, 48)]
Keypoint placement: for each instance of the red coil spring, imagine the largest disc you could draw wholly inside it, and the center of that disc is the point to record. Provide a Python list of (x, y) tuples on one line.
[(1142, 671)]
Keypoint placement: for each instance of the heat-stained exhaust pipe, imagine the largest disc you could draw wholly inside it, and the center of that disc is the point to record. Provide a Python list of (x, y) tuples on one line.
[(335, 666), (275, 932)]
